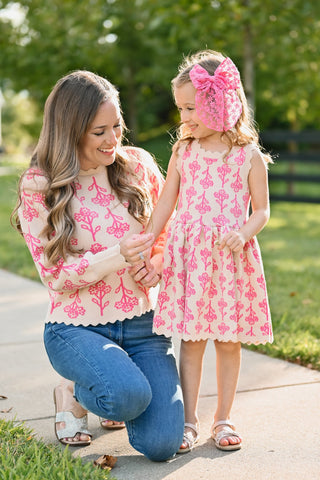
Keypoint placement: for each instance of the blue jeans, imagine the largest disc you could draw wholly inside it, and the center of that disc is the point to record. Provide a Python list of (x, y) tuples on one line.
[(123, 371)]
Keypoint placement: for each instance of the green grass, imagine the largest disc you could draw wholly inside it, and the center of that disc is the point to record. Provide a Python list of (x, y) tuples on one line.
[(23, 457), (290, 250), (14, 254)]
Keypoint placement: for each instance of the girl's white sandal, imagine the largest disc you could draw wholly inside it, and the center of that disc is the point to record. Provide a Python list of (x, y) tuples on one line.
[(189, 438), (227, 431)]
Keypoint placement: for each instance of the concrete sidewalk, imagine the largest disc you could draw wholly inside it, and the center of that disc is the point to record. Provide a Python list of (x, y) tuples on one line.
[(277, 408)]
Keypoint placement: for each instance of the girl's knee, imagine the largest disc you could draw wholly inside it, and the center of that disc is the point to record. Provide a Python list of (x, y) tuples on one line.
[(228, 347)]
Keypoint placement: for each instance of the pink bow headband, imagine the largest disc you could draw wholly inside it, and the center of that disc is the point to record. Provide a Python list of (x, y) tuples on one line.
[(217, 102)]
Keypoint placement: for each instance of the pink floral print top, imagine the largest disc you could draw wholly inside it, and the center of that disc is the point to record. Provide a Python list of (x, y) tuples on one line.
[(93, 287), (205, 292)]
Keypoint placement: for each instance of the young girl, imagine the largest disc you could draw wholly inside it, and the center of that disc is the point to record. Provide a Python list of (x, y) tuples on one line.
[(213, 284)]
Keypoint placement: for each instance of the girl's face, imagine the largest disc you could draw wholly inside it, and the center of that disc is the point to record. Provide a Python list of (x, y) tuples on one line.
[(98, 144), (185, 101)]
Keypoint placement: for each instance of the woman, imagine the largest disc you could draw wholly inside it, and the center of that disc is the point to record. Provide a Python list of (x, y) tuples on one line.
[(81, 211)]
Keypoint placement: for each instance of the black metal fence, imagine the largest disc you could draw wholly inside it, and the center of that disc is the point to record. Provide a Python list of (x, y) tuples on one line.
[(295, 175)]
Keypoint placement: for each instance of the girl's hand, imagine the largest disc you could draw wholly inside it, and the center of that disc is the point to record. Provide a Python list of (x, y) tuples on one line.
[(234, 240), (148, 277), (136, 248)]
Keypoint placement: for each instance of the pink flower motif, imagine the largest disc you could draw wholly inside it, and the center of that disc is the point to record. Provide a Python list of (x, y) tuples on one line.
[(261, 282), (86, 217), (172, 314), (266, 329), (221, 220), (74, 310), (224, 170), (210, 316), (81, 268), (194, 167), (206, 182), (223, 328), (200, 305), (210, 160), (203, 206), (241, 157), (190, 290), (251, 318), (204, 280), (101, 198), (264, 306), (237, 184), (251, 293), (236, 210), (198, 327), (205, 256), (117, 228), (97, 247), (192, 262), (166, 275), (158, 321), (182, 276), (162, 299), (100, 290), (221, 196), (190, 192), (127, 303)]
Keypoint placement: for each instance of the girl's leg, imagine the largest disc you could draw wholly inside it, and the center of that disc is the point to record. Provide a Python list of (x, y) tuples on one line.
[(228, 361), (191, 361), (158, 431)]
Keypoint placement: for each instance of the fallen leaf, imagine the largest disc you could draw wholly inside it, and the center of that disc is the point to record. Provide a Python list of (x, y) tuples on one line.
[(3, 397), (6, 410), (293, 294), (306, 301), (106, 462)]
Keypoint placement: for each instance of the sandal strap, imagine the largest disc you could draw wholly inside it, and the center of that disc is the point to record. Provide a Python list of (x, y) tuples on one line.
[(195, 428), (225, 432), (73, 424), (188, 437), (223, 422)]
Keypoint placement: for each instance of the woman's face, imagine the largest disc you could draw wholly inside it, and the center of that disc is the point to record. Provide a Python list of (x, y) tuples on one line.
[(98, 144)]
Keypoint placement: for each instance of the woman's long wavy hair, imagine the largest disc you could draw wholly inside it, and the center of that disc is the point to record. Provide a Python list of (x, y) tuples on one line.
[(69, 111), (244, 131)]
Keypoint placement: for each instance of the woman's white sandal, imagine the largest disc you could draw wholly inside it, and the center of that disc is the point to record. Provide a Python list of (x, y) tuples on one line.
[(189, 438), (227, 431)]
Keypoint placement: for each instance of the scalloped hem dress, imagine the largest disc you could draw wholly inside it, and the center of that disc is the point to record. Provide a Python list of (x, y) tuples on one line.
[(206, 293)]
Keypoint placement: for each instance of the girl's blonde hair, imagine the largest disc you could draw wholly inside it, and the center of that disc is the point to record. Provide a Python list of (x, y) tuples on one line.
[(244, 131), (69, 111)]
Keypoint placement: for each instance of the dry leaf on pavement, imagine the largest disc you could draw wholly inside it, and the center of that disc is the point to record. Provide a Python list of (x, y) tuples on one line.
[(106, 462)]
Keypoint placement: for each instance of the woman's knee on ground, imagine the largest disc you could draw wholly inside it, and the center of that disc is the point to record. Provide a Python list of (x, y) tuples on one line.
[(125, 401), (159, 449)]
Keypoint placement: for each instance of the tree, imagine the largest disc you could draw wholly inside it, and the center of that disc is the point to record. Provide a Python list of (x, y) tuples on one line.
[(137, 45)]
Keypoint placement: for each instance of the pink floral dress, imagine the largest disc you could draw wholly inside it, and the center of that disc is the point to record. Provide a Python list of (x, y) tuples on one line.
[(207, 293)]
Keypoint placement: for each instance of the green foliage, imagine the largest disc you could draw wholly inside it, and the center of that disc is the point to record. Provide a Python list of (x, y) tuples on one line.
[(23, 457), (138, 45)]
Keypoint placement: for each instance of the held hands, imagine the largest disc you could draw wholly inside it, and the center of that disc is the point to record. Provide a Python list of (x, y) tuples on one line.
[(234, 240), (137, 250)]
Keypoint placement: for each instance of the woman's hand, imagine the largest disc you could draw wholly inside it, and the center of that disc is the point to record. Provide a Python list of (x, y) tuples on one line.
[(136, 248)]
